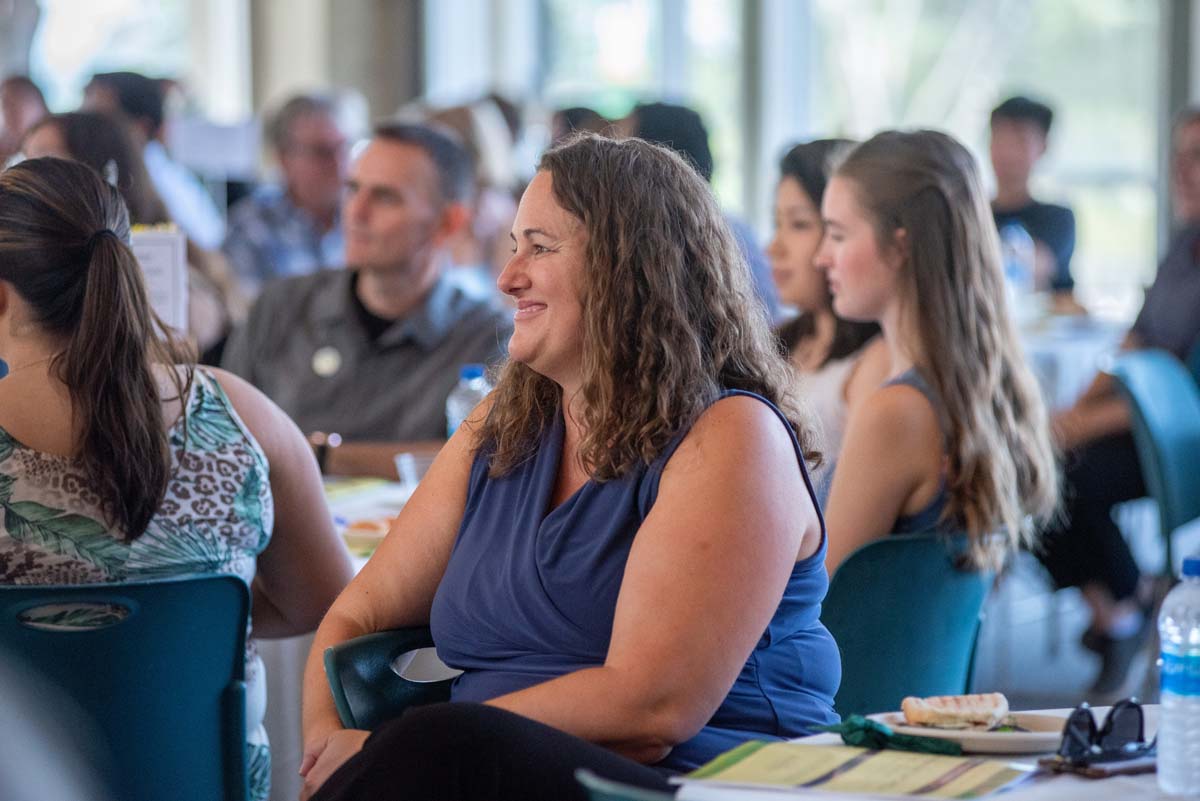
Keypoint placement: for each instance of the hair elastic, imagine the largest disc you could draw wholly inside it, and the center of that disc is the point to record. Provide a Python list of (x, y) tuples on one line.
[(96, 237)]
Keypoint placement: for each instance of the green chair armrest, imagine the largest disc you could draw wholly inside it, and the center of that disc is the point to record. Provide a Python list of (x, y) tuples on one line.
[(366, 688), (599, 789)]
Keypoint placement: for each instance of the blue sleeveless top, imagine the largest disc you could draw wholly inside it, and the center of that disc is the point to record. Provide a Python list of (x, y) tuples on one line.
[(928, 518), (528, 596)]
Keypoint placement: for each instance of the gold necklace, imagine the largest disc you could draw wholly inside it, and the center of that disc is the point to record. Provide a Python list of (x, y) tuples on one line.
[(33, 363)]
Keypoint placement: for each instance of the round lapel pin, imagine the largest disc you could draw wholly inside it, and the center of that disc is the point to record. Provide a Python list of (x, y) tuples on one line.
[(326, 361)]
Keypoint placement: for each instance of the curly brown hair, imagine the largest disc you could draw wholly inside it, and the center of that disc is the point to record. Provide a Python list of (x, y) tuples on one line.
[(1003, 474), (670, 318)]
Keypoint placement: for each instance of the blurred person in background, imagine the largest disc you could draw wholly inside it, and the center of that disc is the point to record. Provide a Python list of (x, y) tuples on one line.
[(370, 353), (294, 227), (838, 360), (480, 250), (566, 121), (141, 100), (510, 112), (957, 439), (683, 130), (1020, 128), (1086, 549), (21, 106), (120, 459), (106, 144)]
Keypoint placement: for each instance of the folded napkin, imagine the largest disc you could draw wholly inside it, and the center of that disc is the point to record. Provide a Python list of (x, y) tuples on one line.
[(866, 733)]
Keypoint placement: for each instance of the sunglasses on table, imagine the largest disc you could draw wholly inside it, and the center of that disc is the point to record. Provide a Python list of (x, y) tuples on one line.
[(1122, 735)]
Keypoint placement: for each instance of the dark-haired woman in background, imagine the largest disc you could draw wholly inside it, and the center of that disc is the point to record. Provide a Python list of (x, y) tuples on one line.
[(105, 144), (119, 459), (838, 360)]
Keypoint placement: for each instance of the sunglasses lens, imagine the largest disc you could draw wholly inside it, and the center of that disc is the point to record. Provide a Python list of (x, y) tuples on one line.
[(1078, 734), (1122, 725)]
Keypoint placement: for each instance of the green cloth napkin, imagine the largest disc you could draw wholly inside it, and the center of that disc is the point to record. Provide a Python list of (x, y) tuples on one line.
[(866, 733)]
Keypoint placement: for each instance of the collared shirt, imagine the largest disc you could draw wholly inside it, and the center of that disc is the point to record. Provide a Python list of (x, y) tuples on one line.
[(270, 237), (1170, 315), (305, 346), (190, 205)]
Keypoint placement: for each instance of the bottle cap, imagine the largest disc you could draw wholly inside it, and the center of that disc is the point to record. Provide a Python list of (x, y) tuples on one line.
[(469, 372), (1191, 566)]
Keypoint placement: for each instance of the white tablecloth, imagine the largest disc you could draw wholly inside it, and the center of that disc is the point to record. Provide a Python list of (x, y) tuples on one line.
[(1066, 352), (1053, 788), (284, 659), (1060, 787), (284, 663)]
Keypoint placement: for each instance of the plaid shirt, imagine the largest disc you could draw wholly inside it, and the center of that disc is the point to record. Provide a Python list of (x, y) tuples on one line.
[(269, 237)]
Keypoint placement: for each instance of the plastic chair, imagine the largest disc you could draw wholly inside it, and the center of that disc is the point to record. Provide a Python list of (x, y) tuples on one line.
[(1193, 361), (365, 678), (1165, 405), (599, 789), (905, 617), (158, 666)]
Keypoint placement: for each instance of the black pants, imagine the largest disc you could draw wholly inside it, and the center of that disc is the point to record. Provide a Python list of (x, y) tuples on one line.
[(1086, 546), (473, 752)]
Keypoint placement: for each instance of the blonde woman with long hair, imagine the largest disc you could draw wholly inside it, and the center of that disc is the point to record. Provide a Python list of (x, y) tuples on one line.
[(957, 439)]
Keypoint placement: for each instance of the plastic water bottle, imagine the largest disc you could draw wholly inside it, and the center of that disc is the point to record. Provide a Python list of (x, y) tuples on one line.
[(1179, 728), (471, 388), (1018, 253)]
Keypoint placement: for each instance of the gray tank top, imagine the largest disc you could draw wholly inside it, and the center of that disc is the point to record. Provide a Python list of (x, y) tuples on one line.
[(929, 518)]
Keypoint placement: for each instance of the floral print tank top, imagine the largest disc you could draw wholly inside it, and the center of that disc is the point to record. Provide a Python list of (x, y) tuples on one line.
[(217, 517)]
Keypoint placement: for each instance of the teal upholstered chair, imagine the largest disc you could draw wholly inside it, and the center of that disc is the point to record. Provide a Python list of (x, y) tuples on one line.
[(367, 676), (599, 789), (905, 616), (158, 667), (1165, 408)]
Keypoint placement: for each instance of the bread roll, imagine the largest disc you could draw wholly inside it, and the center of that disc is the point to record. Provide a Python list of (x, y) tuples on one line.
[(983, 710)]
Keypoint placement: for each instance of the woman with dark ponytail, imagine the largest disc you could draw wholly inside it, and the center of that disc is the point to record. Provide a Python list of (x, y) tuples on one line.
[(121, 460), (106, 144)]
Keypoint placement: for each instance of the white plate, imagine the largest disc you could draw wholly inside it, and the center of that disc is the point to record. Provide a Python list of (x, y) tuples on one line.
[(1044, 735)]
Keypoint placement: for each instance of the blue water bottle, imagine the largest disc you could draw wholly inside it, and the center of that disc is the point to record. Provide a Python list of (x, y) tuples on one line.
[(1018, 253), (1179, 726), (472, 387)]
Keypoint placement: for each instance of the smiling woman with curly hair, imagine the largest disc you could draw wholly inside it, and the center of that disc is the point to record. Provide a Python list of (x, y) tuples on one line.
[(620, 548)]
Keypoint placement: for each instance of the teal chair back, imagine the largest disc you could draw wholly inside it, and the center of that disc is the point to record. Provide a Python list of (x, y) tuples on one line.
[(905, 617), (1164, 403), (1193, 362), (367, 685), (158, 667)]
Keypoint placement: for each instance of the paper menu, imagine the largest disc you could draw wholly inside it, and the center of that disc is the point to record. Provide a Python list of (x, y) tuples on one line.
[(784, 770), (161, 252)]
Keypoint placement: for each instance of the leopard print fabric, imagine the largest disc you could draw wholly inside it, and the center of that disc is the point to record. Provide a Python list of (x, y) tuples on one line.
[(217, 517)]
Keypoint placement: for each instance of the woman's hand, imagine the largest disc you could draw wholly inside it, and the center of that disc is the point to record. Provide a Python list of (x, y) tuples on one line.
[(324, 756)]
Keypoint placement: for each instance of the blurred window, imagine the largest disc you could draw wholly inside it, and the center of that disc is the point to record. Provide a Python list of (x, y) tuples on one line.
[(76, 39), (611, 54), (946, 63), (768, 73)]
